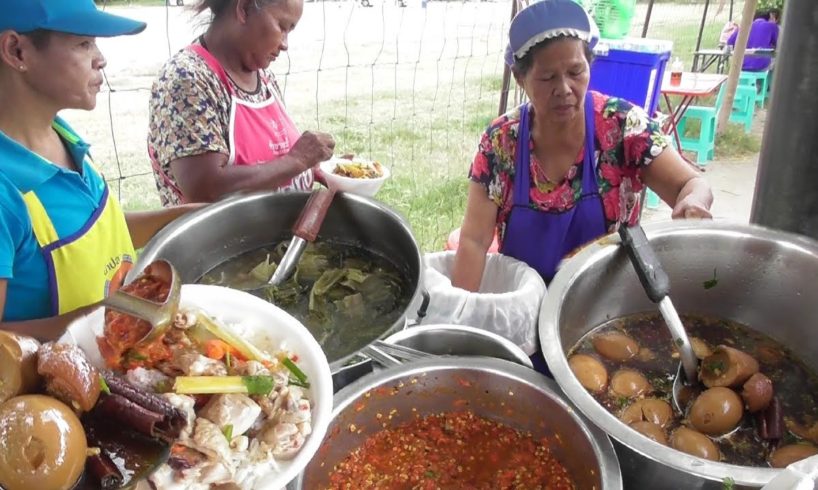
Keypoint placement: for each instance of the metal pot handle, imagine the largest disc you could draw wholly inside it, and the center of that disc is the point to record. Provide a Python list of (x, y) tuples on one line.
[(424, 306), (379, 356)]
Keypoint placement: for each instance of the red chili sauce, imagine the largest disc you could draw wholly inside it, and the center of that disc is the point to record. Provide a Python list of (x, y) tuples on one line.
[(122, 331), (451, 450)]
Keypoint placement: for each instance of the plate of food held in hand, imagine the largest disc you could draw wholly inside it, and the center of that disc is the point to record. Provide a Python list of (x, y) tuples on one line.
[(356, 175), (235, 394)]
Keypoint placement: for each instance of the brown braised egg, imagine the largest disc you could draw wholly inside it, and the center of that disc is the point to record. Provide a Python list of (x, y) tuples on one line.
[(44, 445), (651, 431), (18, 365), (716, 411), (727, 366), (591, 374), (694, 443), (629, 383), (786, 455), (700, 348), (650, 410), (615, 345)]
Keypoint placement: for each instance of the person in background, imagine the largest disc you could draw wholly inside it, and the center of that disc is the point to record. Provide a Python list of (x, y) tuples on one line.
[(763, 35), (65, 244), (729, 28), (567, 167), (774, 16), (217, 118)]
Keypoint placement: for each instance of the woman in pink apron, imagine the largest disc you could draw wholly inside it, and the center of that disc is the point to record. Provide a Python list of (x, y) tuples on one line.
[(217, 119), (568, 166)]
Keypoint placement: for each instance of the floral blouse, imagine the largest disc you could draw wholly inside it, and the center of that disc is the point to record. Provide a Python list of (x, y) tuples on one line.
[(626, 141), (189, 113)]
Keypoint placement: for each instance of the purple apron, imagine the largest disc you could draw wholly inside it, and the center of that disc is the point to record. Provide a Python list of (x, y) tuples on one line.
[(541, 239)]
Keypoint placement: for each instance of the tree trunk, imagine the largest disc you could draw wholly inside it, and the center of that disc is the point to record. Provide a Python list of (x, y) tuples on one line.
[(736, 60)]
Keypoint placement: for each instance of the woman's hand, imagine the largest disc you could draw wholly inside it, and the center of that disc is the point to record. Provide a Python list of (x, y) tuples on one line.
[(691, 207), (679, 185), (312, 148)]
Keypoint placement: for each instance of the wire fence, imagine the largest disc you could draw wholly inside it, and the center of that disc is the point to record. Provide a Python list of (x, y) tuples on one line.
[(412, 87)]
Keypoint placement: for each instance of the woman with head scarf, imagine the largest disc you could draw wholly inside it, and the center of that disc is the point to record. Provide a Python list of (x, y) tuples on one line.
[(64, 241), (217, 118), (566, 167)]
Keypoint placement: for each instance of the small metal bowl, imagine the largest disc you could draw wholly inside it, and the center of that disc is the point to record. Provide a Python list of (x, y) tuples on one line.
[(459, 340)]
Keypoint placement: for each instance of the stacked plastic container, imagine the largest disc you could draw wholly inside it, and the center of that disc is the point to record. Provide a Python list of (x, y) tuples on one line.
[(631, 68)]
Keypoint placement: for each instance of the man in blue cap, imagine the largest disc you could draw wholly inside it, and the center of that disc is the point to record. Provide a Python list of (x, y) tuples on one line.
[(568, 166), (64, 241), (79, 17)]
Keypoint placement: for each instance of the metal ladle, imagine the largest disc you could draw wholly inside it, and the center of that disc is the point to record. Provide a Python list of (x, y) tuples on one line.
[(305, 230), (657, 286), (159, 315)]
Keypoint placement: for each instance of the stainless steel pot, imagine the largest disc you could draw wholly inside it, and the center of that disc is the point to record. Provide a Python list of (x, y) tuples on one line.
[(766, 280), (493, 388), (459, 340), (196, 243)]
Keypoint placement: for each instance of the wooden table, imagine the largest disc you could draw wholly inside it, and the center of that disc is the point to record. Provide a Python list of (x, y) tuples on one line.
[(692, 86), (705, 58)]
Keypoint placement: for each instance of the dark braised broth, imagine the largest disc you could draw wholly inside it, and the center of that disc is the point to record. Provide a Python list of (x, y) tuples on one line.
[(344, 294), (795, 385)]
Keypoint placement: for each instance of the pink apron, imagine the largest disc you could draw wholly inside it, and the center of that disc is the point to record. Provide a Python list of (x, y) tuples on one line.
[(257, 133)]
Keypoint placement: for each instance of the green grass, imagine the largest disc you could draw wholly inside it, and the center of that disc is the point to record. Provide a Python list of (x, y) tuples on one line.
[(735, 143), (684, 34), (732, 143), (428, 147)]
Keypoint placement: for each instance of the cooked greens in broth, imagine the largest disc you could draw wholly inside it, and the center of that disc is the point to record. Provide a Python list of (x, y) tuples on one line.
[(758, 406), (344, 294)]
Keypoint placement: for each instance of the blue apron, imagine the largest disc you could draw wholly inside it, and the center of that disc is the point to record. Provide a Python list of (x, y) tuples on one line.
[(541, 239)]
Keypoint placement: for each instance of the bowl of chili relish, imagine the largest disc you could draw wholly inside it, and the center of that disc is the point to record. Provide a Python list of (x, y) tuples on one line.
[(459, 422)]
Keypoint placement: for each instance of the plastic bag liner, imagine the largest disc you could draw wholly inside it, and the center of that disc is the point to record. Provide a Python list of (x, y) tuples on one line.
[(508, 302), (801, 475)]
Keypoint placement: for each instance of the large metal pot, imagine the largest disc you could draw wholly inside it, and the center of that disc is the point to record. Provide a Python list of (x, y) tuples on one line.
[(204, 239), (492, 388), (766, 280)]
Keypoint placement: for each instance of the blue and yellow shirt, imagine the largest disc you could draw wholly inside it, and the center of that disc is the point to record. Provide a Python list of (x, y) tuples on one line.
[(70, 199)]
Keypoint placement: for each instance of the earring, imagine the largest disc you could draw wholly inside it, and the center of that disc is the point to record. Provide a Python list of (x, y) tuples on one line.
[(22, 67)]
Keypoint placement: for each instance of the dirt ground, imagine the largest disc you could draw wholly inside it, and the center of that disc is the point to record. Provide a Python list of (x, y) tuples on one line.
[(733, 183)]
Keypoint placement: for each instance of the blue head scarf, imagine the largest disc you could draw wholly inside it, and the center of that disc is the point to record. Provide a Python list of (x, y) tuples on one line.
[(547, 19)]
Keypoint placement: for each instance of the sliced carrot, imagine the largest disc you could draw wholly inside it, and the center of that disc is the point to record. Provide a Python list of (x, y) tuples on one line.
[(215, 349)]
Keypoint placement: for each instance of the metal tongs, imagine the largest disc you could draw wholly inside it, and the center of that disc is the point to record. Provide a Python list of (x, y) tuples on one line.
[(159, 315), (657, 286), (388, 355)]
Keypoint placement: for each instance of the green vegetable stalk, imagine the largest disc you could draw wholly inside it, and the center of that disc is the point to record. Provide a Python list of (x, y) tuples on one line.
[(213, 385), (247, 349), (297, 372)]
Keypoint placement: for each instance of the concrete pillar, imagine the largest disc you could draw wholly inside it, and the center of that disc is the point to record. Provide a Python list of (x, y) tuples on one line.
[(786, 194)]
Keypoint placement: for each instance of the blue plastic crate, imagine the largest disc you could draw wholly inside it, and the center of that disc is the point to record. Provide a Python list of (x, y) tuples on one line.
[(630, 74)]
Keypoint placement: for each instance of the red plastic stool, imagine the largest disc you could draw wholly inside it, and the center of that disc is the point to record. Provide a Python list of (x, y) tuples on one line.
[(454, 241)]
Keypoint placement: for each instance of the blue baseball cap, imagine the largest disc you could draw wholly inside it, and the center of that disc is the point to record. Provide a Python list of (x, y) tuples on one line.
[(79, 17), (547, 19)]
